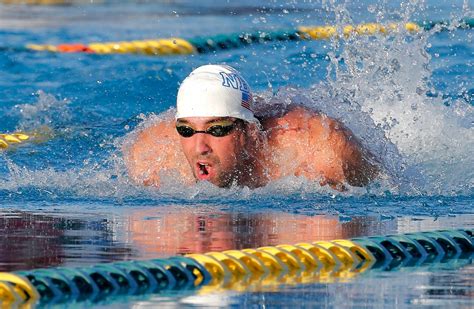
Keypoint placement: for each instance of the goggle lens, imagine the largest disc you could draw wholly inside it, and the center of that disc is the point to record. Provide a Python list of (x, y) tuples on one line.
[(185, 131), (217, 130)]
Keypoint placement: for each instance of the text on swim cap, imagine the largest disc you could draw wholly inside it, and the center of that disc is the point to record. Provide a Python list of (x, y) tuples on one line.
[(233, 80)]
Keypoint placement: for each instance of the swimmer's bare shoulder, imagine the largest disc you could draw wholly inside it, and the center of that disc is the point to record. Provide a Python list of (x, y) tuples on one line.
[(155, 151), (318, 147)]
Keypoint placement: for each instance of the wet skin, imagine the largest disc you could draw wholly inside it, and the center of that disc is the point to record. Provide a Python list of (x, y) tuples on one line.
[(299, 143)]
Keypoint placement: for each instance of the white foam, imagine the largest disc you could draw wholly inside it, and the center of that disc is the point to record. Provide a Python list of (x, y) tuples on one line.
[(388, 78), (46, 111)]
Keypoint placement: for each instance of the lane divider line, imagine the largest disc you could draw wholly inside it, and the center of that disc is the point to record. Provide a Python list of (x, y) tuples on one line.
[(239, 270), (200, 45), (7, 139)]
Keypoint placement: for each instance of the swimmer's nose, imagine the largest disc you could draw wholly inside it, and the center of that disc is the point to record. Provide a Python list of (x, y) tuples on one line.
[(202, 144)]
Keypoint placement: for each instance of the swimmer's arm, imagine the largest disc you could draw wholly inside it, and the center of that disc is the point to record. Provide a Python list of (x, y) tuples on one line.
[(140, 155), (358, 166), (154, 150)]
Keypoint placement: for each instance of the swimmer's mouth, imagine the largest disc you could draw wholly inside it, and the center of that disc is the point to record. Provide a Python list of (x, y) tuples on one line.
[(203, 170)]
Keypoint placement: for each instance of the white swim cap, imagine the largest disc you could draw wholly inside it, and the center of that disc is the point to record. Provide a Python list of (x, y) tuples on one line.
[(215, 91)]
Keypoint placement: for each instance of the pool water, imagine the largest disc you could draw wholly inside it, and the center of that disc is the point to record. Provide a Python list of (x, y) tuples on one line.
[(66, 199)]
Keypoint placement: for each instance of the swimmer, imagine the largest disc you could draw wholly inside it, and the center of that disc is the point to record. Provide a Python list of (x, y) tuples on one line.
[(215, 136)]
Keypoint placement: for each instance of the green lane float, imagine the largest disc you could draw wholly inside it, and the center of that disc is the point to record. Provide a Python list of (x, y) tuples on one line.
[(6, 140), (200, 45), (240, 270)]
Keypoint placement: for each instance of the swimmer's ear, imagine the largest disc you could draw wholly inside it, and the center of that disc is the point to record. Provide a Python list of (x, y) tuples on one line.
[(253, 133), (252, 129)]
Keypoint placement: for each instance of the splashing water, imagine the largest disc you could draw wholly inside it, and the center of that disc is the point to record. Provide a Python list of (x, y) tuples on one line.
[(377, 86), (46, 112), (388, 78)]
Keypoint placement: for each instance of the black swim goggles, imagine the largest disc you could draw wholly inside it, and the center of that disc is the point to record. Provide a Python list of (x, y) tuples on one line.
[(219, 129)]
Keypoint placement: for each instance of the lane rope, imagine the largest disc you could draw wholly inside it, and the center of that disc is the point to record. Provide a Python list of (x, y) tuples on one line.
[(239, 270), (8, 139), (200, 45)]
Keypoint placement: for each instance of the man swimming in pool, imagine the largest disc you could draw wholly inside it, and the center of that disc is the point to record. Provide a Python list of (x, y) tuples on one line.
[(216, 137)]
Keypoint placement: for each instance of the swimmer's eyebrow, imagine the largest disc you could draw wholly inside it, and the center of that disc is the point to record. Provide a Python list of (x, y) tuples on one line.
[(182, 121), (220, 119)]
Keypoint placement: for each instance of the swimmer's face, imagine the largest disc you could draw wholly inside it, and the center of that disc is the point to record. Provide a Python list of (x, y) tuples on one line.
[(218, 155)]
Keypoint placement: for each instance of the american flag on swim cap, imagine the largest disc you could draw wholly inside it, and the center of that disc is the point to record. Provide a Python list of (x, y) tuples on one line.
[(246, 99)]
